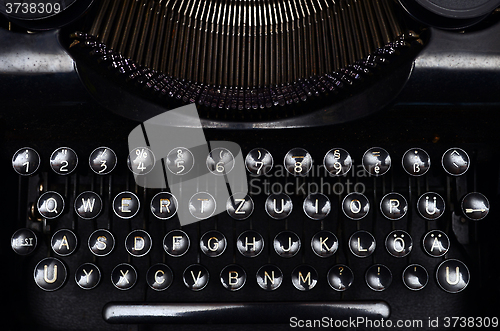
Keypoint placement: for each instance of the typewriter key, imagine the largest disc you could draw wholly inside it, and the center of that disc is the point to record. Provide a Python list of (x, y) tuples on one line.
[(196, 277), (102, 160), (259, 161), (431, 206), (88, 205), (378, 277), (23, 241), (362, 243), (415, 277), (475, 206), (87, 276), (304, 278), (233, 277), (269, 277), (50, 205), (50, 274), (436, 243), (376, 161), (393, 206), (452, 276), (416, 162), (63, 161), (159, 277), (64, 242), (26, 161), (278, 206), (340, 277), (124, 276)]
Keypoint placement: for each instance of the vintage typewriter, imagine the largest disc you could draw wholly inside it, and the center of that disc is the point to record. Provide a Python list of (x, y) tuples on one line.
[(352, 146)]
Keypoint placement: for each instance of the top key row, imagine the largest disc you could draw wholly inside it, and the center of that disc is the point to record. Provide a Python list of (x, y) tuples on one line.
[(64, 161), (376, 161)]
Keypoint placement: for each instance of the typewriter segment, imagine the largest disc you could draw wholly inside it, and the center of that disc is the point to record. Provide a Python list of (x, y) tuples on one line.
[(377, 226), (246, 59), (250, 164)]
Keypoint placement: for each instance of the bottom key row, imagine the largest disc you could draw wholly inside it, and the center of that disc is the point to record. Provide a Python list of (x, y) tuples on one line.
[(451, 275)]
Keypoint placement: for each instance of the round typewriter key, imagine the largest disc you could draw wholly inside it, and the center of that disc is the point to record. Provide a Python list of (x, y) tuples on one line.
[(475, 206), (416, 162), (362, 243), (159, 277), (324, 244), (378, 277), (220, 161), (164, 205), (202, 205), (393, 206), (102, 160), (233, 277), (355, 206), (337, 162), (88, 205), (23, 241), (63, 161), (124, 276), (50, 205), (141, 160), (176, 243), (431, 206), (101, 242), (298, 162), (436, 243), (180, 161), (126, 205), (50, 274), (452, 276), (317, 206), (455, 161), (138, 243), (213, 243), (63, 242), (286, 244), (259, 161), (304, 277), (195, 277), (340, 277), (278, 206), (87, 276), (398, 243), (26, 161), (269, 277), (376, 161), (239, 206), (415, 277), (250, 243)]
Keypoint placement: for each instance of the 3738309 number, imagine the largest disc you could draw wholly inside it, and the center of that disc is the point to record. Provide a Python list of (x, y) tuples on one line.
[(470, 322), (32, 8)]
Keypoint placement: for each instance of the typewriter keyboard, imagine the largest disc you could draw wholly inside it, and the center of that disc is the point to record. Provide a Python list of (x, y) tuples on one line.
[(350, 230)]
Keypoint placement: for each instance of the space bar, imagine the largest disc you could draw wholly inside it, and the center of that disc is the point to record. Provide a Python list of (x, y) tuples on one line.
[(241, 313)]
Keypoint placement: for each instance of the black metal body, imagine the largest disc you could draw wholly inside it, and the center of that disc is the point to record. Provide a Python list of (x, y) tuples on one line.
[(450, 100)]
